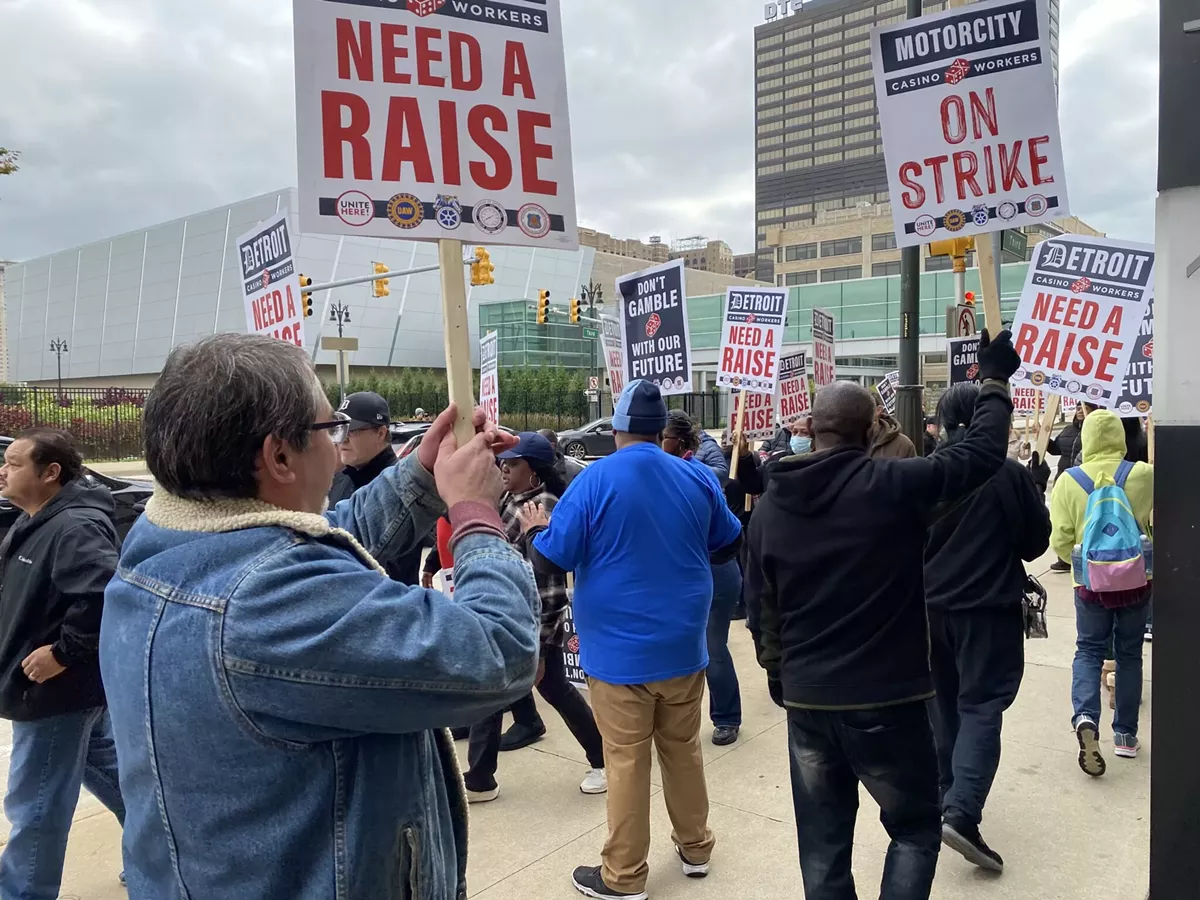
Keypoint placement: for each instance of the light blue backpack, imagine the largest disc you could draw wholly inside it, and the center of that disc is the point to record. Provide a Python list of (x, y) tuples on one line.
[(1113, 553)]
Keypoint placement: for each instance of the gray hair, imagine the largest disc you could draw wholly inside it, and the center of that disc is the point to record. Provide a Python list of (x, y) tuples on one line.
[(215, 403), (844, 409)]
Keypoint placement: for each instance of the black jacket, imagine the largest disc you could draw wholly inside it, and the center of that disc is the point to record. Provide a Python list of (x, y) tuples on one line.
[(781, 441), (834, 583), (53, 571), (405, 569), (975, 546), (1066, 445), (566, 467)]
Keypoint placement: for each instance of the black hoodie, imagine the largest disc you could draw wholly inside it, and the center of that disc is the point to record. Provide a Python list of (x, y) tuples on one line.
[(834, 583), (53, 571)]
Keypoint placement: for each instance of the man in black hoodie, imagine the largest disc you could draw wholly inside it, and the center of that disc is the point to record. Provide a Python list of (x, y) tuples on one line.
[(366, 454), (836, 597), (55, 562)]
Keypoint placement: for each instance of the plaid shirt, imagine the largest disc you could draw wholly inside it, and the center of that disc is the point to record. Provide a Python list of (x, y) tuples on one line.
[(551, 588)]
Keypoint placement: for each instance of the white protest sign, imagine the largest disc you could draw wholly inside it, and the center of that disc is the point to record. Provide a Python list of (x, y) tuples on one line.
[(1026, 401), (759, 424), (794, 402), (822, 337), (654, 327), (489, 383), (434, 119), (969, 116), (1080, 315), (751, 335), (614, 353), (270, 283)]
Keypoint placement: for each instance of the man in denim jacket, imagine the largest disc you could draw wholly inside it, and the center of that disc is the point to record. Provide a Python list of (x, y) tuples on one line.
[(276, 699)]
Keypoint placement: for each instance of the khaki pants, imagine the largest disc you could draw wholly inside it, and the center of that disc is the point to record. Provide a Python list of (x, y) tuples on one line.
[(629, 717)]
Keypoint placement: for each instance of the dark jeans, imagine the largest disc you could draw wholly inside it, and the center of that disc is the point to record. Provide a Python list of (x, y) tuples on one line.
[(724, 694), (890, 751), (978, 660), (483, 750)]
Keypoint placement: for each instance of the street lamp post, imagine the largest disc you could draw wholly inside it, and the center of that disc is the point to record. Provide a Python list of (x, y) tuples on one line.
[(339, 313), (593, 295), (58, 347)]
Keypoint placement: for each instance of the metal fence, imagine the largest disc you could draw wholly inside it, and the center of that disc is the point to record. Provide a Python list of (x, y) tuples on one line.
[(105, 422)]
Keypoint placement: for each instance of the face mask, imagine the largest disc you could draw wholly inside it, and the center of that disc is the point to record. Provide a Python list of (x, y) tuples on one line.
[(800, 444)]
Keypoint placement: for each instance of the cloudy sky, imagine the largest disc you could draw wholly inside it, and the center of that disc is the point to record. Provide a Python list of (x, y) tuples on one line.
[(132, 112)]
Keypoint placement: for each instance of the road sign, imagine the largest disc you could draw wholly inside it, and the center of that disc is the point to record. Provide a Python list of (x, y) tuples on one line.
[(593, 383), (1014, 241), (591, 333), (965, 318)]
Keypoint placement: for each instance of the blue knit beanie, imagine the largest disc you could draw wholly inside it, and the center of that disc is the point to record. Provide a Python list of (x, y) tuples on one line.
[(640, 409)]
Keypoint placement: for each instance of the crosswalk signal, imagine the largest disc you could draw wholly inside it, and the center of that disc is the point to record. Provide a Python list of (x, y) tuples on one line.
[(543, 306), (306, 296), (574, 310), (482, 268), (379, 287)]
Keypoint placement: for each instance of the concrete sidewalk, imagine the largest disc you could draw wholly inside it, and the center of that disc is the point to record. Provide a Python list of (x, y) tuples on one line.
[(1064, 836)]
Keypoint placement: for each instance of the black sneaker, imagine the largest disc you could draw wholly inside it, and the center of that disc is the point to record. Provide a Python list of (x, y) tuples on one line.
[(964, 838), (587, 881), (1059, 566), (519, 735), (724, 735)]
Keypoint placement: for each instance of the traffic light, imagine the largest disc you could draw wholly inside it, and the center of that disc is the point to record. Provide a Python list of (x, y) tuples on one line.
[(969, 298), (543, 306), (482, 268), (956, 248), (306, 296), (574, 310), (379, 287)]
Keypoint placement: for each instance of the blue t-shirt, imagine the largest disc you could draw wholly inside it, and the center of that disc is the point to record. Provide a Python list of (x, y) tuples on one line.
[(637, 527)]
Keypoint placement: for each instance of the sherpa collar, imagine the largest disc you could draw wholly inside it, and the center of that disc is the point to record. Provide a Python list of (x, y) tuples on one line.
[(217, 516)]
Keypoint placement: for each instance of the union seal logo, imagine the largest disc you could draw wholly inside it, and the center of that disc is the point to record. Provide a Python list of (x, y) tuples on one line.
[(954, 220), (979, 214), (925, 226), (405, 211), (1037, 379), (489, 217), (1094, 391), (533, 220), (1007, 210), (448, 211), (1036, 205), (1143, 406)]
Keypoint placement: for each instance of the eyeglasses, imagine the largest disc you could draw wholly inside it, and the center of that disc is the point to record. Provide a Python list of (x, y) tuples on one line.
[(338, 428)]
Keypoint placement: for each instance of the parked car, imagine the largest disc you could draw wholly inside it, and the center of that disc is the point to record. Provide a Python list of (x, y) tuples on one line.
[(414, 441), (129, 496), (594, 439)]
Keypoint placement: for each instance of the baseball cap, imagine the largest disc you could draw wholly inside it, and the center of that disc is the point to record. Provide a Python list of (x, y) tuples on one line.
[(640, 410), (366, 410), (530, 445)]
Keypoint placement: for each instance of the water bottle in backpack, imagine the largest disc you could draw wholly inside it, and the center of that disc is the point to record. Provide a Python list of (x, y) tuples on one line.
[(1114, 555)]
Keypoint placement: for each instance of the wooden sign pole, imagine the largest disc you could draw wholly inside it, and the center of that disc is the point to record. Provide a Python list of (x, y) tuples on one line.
[(985, 259), (457, 337), (1150, 439), (1053, 402), (738, 428)]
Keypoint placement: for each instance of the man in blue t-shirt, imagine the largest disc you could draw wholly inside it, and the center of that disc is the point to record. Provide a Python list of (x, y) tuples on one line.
[(640, 529)]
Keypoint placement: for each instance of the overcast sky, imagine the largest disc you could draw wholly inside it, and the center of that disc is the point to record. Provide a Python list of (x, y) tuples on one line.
[(132, 112)]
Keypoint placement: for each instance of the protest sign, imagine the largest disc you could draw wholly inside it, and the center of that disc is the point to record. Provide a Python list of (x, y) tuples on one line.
[(968, 109), (614, 353), (432, 119), (489, 383), (1137, 393), (1080, 314), (751, 335), (822, 337), (1026, 401), (574, 671), (887, 391), (759, 423), (270, 283), (654, 328), (794, 402), (963, 356)]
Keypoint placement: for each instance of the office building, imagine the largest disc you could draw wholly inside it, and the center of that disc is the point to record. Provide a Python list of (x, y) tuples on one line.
[(818, 146), (122, 303), (745, 265), (703, 255), (847, 244), (654, 251)]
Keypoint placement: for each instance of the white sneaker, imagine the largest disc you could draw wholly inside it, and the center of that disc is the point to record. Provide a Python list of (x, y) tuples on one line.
[(595, 782), (483, 796)]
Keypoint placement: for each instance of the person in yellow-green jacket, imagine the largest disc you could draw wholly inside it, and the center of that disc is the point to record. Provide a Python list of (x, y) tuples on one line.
[(1099, 616)]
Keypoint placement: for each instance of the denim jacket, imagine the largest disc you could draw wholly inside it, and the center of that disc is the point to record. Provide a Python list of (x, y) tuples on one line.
[(278, 702)]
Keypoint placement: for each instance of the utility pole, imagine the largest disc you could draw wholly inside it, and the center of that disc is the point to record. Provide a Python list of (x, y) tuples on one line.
[(909, 404), (58, 347), (1175, 437), (593, 295)]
